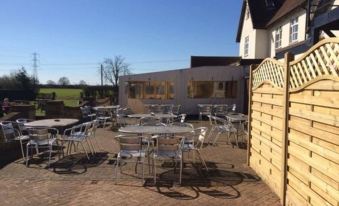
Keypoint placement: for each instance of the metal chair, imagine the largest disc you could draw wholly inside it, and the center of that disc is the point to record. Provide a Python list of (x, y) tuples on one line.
[(167, 148), (195, 142), (167, 109), (87, 113), (222, 126), (103, 117), (42, 137), (10, 133), (205, 110), (176, 109), (130, 146), (76, 135), (220, 110), (149, 121)]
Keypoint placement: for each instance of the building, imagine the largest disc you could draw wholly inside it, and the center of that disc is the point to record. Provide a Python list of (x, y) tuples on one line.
[(211, 80), (270, 28)]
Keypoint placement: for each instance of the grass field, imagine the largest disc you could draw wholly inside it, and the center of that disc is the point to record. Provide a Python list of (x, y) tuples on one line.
[(69, 96)]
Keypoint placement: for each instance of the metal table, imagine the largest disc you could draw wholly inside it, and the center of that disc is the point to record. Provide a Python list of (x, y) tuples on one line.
[(160, 116), (236, 117), (155, 129), (111, 107), (63, 122)]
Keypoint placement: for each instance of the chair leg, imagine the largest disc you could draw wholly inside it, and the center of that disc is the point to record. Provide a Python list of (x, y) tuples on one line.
[(82, 145), (180, 175), (116, 169), (27, 157), (202, 159), (50, 155), (154, 172)]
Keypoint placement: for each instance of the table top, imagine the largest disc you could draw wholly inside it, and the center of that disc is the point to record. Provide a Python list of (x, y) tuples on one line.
[(52, 122), (106, 107), (236, 117), (155, 129), (152, 115)]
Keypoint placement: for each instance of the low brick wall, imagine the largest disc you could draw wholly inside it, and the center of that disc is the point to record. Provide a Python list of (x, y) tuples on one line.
[(26, 111)]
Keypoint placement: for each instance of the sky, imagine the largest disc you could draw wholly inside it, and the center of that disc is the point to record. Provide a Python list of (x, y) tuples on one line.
[(72, 37)]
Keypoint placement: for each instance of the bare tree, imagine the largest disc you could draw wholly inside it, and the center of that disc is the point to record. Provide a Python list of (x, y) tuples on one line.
[(64, 81), (114, 68)]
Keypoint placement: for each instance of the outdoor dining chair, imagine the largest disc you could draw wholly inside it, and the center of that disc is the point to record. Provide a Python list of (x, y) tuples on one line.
[(149, 121), (220, 110), (78, 134), (222, 126), (10, 133), (176, 109), (87, 113), (167, 148), (130, 146), (103, 117), (194, 142), (204, 110), (42, 138)]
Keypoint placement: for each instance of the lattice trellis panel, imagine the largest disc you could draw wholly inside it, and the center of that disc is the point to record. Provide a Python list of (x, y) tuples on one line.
[(269, 70), (322, 59)]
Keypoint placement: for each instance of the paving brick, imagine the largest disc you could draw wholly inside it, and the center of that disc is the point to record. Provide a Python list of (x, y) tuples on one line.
[(229, 182)]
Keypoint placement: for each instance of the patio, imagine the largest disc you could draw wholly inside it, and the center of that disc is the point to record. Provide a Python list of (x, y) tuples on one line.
[(229, 181)]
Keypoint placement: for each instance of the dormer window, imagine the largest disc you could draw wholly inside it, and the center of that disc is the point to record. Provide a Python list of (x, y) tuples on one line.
[(294, 30)]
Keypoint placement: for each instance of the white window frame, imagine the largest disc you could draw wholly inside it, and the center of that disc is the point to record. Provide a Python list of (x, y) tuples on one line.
[(246, 45), (278, 37), (294, 30)]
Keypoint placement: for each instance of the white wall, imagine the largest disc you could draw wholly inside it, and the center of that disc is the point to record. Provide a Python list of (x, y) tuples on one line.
[(258, 45), (285, 24), (180, 78)]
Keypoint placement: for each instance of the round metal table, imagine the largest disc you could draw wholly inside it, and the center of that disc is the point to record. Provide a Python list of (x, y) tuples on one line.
[(236, 117), (155, 129)]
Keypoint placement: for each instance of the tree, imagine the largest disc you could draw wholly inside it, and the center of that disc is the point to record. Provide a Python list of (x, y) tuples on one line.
[(82, 82), (23, 80), (51, 82), (114, 68), (64, 81)]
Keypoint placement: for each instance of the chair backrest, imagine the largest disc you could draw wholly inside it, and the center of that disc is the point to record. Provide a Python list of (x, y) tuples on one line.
[(21, 123), (182, 124), (199, 136), (176, 109), (38, 133), (234, 107), (220, 109), (156, 109), (149, 121), (205, 109), (8, 131), (129, 142), (182, 118), (167, 109), (166, 144)]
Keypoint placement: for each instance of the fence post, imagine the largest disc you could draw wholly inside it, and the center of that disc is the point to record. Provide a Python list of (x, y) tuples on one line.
[(252, 67), (288, 58)]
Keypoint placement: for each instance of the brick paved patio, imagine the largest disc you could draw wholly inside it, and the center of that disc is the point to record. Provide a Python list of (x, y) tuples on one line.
[(228, 182)]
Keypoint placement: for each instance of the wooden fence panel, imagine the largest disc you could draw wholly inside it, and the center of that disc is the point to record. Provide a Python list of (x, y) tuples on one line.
[(266, 112), (294, 125), (313, 135)]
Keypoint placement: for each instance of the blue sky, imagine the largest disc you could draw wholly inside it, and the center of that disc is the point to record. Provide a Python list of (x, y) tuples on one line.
[(72, 37)]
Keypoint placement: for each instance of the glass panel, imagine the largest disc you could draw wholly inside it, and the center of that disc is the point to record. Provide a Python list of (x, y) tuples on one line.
[(151, 90), (212, 89)]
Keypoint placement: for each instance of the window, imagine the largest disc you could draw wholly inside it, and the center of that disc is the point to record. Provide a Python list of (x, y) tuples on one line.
[(294, 30), (150, 90), (246, 45), (278, 35), (212, 89)]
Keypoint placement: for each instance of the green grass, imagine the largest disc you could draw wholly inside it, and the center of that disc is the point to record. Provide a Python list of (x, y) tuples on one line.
[(69, 96)]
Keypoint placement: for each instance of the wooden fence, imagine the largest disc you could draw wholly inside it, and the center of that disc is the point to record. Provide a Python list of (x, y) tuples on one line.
[(294, 125)]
